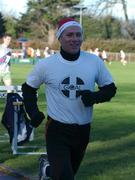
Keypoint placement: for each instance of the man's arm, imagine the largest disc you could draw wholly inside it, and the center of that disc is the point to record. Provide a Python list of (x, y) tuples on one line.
[(104, 94), (30, 102)]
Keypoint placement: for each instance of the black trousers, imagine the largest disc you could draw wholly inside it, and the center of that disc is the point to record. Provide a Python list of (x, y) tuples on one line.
[(66, 145)]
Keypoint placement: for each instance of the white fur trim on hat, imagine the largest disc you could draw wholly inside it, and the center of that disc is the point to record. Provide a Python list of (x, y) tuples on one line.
[(66, 25)]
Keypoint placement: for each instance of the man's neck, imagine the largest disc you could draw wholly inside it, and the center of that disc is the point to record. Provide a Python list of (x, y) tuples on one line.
[(68, 56)]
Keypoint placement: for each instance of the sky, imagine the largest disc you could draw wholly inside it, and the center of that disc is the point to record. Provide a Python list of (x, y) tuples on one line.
[(15, 7), (117, 11)]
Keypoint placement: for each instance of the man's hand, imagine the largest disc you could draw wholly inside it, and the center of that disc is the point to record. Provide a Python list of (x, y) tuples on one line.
[(37, 119), (87, 98), (104, 94)]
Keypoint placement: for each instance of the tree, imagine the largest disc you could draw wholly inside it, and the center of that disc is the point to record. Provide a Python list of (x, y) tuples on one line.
[(41, 17), (111, 27), (107, 27), (10, 25), (106, 5), (2, 25)]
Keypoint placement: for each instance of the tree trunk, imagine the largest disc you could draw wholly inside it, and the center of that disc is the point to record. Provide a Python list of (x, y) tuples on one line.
[(51, 37), (124, 4)]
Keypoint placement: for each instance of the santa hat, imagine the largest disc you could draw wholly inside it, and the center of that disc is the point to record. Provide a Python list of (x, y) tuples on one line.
[(65, 23)]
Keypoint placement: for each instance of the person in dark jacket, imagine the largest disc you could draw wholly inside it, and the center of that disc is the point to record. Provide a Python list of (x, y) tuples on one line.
[(70, 77)]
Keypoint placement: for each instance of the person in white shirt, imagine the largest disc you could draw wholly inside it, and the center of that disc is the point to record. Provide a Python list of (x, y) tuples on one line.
[(69, 77), (38, 53), (104, 56), (123, 57), (5, 56), (47, 52)]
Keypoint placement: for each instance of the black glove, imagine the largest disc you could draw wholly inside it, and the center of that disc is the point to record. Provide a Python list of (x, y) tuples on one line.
[(37, 118), (30, 101), (104, 94), (87, 98)]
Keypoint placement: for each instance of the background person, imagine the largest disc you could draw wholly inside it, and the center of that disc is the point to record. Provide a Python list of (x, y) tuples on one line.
[(105, 58), (38, 54), (69, 76), (5, 56), (123, 57), (47, 52), (24, 51)]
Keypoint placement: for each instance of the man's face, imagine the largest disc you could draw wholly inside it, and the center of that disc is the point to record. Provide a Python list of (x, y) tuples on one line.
[(71, 39), (7, 40)]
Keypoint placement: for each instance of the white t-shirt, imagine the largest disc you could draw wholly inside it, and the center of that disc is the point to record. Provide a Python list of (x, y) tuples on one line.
[(64, 80), (5, 55)]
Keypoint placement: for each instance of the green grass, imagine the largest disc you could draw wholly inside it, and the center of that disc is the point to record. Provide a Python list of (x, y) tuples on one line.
[(111, 152)]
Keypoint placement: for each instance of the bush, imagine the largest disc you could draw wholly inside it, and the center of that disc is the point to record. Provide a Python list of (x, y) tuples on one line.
[(114, 45)]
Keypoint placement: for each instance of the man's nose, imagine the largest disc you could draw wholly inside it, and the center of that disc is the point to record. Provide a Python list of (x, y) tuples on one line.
[(75, 37)]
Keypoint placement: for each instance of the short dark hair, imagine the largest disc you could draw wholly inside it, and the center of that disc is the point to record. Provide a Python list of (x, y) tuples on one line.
[(6, 34)]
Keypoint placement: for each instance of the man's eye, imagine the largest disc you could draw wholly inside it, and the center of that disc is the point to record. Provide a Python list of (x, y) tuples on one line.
[(69, 35), (78, 34)]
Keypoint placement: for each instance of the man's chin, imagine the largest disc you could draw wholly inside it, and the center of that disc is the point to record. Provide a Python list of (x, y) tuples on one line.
[(74, 51)]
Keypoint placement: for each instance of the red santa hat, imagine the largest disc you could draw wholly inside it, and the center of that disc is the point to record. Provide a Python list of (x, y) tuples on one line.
[(65, 23)]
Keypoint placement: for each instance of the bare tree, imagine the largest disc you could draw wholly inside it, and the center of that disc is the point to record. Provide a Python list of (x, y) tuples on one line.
[(106, 6), (102, 6)]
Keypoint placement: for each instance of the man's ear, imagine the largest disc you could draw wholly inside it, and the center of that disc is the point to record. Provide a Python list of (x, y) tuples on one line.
[(60, 39)]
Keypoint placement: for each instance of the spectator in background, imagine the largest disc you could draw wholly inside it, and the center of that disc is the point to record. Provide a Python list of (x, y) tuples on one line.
[(38, 53), (105, 56), (24, 51), (5, 56), (30, 52), (47, 52), (69, 76), (90, 50), (123, 57), (96, 51)]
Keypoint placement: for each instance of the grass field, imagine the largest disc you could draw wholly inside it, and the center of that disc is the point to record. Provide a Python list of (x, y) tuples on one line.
[(111, 152)]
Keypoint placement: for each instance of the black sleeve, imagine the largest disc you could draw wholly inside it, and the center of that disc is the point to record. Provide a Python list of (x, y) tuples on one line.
[(104, 94), (30, 102)]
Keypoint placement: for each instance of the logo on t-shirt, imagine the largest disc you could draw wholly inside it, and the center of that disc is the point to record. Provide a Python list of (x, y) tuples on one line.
[(71, 87), (5, 58)]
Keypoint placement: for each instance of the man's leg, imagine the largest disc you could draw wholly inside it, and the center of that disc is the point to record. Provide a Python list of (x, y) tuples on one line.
[(58, 150), (7, 81), (79, 147), (66, 146)]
